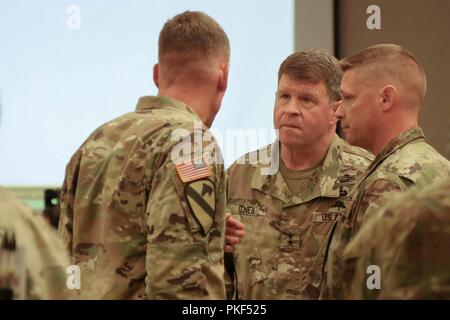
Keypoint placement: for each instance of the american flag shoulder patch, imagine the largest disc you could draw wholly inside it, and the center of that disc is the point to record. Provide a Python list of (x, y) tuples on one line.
[(193, 170)]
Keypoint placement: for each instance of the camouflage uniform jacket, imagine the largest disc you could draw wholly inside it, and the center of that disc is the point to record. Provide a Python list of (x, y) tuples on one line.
[(45, 257), (405, 162), (281, 255), (137, 225), (409, 241)]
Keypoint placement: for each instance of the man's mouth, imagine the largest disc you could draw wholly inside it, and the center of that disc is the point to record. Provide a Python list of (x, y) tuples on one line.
[(287, 125)]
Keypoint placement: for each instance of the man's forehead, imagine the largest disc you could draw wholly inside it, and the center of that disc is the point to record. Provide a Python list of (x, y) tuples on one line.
[(357, 74), (289, 83), (359, 77), (349, 78)]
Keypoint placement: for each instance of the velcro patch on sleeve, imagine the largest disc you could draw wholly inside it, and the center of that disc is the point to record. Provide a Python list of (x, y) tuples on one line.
[(193, 170), (201, 197)]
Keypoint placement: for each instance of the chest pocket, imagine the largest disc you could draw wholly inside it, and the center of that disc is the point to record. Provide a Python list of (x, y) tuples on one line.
[(315, 272), (256, 254), (326, 222), (304, 254)]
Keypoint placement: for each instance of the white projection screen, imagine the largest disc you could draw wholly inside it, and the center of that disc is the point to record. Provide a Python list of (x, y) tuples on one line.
[(67, 67)]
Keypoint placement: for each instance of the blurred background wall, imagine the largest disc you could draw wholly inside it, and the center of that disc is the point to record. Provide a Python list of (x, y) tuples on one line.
[(58, 83)]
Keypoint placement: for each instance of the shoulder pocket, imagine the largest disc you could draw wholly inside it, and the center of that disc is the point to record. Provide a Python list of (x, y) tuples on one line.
[(179, 187), (198, 199)]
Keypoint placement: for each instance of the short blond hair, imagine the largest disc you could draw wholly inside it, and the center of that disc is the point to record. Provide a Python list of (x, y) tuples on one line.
[(393, 61), (315, 66), (193, 34)]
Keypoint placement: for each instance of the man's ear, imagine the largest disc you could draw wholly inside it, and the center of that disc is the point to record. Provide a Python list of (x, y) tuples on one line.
[(156, 75), (223, 77), (389, 95)]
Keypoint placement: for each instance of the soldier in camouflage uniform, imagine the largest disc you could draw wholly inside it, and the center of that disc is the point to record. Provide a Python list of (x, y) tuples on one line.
[(383, 88), (44, 256), (143, 201), (288, 213), (408, 240)]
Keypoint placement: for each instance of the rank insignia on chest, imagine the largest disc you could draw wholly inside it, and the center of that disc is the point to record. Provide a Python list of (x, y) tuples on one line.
[(289, 239)]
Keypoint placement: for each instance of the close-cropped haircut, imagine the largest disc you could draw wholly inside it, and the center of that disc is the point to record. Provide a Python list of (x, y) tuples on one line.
[(193, 34), (390, 60)]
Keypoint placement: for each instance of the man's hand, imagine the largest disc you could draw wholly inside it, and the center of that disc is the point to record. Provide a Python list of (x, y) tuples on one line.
[(233, 234)]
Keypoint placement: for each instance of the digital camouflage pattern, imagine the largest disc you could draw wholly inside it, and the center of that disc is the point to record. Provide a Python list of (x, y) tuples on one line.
[(125, 213), (407, 161), (46, 258), (409, 240), (281, 255)]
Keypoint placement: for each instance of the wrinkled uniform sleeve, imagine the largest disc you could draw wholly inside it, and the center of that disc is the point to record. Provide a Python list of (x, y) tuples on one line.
[(182, 261), (44, 256), (357, 257), (373, 198), (230, 272), (67, 198), (367, 202), (409, 241)]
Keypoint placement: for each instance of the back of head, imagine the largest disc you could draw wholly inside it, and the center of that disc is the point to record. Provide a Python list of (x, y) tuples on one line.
[(193, 63), (390, 64), (314, 66), (189, 38)]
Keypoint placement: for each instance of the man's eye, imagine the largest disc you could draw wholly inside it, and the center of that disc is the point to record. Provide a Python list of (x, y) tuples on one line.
[(307, 99), (346, 97)]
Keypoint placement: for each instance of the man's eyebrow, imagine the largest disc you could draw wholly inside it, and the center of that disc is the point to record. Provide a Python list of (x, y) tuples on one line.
[(309, 93)]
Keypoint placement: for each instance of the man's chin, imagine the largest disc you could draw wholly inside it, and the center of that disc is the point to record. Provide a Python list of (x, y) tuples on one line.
[(291, 139), (290, 132), (347, 137)]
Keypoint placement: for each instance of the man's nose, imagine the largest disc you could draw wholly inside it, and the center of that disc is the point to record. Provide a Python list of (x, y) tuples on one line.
[(292, 107), (339, 111)]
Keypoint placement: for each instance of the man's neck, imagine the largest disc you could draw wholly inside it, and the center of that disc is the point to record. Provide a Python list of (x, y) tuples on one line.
[(380, 142), (304, 157), (199, 103)]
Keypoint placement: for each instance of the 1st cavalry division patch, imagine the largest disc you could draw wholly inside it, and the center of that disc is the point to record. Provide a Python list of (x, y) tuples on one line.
[(201, 197)]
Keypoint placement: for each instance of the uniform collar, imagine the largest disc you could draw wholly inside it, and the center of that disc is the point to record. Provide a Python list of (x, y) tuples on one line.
[(324, 183), (155, 102), (394, 145)]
